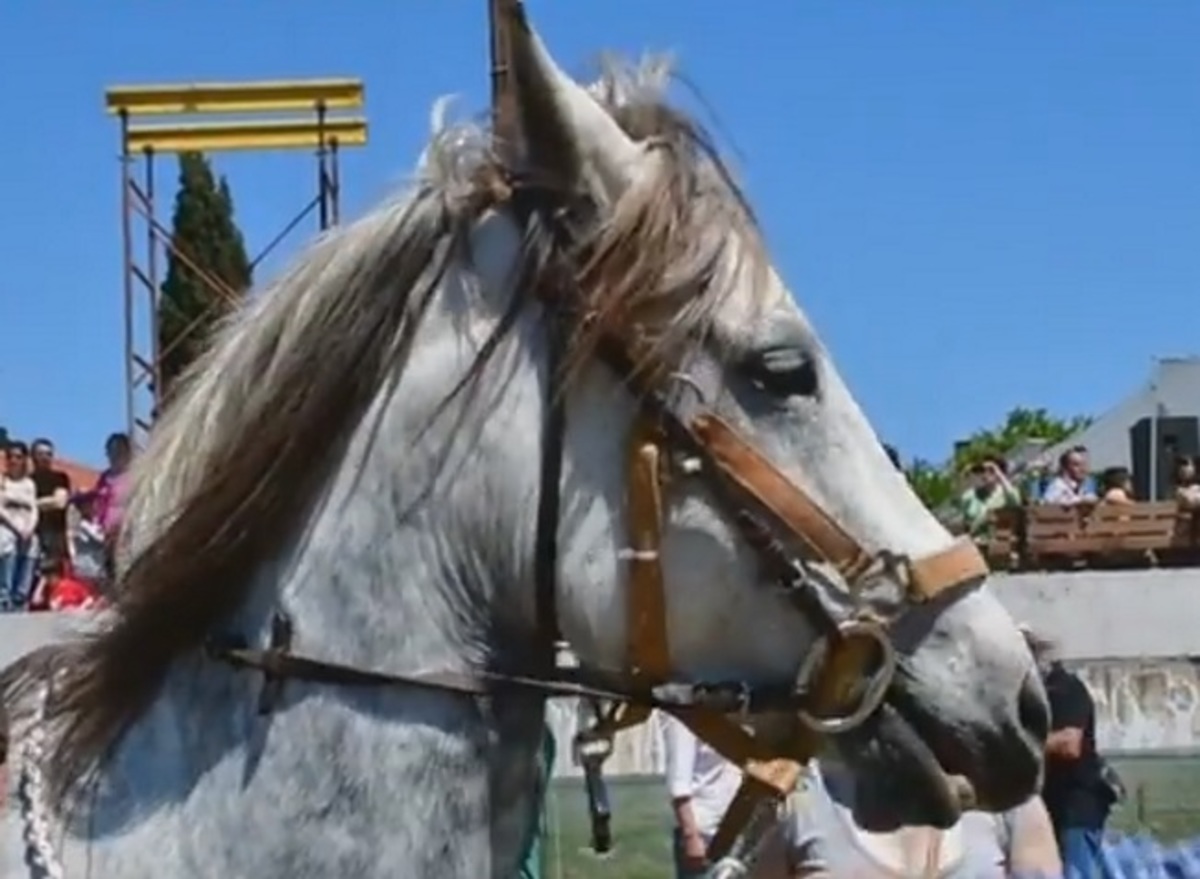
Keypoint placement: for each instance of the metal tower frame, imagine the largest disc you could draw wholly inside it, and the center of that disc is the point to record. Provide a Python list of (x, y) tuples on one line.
[(309, 123)]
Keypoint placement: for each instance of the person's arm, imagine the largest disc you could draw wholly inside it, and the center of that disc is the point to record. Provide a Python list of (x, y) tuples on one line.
[(1072, 708), (9, 521), (32, 519), (679, 746), (1012, 495), (1032, 847), (59, 498), (86, 496), (805, 842)]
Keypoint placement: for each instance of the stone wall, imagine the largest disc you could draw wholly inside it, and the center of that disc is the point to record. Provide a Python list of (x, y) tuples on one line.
[(1145, 706)]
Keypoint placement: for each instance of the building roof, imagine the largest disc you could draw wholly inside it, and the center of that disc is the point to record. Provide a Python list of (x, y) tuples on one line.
[(82, 476), (1173, 389)]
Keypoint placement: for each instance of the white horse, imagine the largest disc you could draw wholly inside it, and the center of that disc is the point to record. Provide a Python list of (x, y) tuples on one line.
[(364, 449)]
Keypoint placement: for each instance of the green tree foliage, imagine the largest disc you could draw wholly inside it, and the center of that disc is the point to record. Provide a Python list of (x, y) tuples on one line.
[(937, 486), (1019, 427), (204, 231)]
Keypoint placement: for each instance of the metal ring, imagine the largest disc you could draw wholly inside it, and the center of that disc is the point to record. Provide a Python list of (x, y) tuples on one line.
[(876, 690)]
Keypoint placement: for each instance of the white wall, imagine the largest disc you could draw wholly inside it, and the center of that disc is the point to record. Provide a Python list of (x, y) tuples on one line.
[(1133, 635)]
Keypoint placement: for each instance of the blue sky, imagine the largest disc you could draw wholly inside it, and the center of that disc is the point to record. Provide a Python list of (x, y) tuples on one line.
[(980, 204)]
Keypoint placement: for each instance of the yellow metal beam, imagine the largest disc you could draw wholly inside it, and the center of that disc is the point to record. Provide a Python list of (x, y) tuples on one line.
[(274, 134), (235, 97)]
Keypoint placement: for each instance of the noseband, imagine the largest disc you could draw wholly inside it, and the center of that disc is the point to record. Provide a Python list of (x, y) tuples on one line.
[(678, 437)]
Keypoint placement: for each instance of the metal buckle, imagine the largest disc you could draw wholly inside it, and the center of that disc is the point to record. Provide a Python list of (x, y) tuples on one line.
[(873, 694), (897, 566), (591, 747)]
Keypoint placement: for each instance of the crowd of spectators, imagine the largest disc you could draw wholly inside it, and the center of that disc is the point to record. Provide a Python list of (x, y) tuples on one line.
[(991, 489), (56, 539)]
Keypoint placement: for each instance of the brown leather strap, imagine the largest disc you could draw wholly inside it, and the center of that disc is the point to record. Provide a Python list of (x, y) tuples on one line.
[(961, 562), (750, 793), (742, 464), (746, 467), (649, 647)]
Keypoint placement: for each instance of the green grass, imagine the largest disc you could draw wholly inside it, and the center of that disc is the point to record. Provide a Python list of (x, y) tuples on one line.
[(1164, 799)]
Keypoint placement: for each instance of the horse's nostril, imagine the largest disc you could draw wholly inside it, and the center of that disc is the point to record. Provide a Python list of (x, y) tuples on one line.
[(1033, 710)]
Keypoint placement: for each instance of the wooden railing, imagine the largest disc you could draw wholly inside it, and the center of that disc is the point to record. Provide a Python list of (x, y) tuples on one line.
[(1048, 537)]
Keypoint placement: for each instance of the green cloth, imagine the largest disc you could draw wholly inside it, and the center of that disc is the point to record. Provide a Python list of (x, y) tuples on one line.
[(976, 511), (531, 863)]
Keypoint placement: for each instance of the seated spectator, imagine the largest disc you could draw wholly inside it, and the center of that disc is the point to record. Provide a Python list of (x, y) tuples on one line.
[(824, 841), (1116, 486), (1070, 484), (990, 492), (18, 528), (1187, 486)]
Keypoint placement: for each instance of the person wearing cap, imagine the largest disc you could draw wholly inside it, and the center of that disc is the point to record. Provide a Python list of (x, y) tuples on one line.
[(989, 493), (1077, 794)]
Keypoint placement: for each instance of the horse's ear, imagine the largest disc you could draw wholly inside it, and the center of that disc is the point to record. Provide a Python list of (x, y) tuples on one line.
[(565, 133)]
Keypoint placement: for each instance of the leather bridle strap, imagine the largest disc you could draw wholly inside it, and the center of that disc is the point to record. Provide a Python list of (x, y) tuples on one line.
[(648, 652), (745, 467), (554, 430), (649, 648), (790, 510), (766, 779)]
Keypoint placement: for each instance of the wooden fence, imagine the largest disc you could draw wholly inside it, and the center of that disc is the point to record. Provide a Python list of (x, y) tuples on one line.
[(1050, 537)]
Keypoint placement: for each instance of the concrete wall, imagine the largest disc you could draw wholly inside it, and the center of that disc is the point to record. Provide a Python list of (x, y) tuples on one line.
[(1110, 614), (1132, 635)]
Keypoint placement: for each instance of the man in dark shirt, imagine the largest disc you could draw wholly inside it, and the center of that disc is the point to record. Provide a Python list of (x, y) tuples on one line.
[(53, 495), (1075, 792)]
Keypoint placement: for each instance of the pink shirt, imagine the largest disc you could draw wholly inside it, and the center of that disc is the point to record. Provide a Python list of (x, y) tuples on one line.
[(110, 501)]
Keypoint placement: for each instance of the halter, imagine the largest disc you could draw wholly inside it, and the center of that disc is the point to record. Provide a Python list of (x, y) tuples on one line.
[(842, 683), (844, 679)]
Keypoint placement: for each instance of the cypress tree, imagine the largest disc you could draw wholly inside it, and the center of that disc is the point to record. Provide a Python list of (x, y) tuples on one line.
[(203, 229)]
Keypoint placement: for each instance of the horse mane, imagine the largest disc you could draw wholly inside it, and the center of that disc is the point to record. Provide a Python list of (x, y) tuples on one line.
[(262, 418)]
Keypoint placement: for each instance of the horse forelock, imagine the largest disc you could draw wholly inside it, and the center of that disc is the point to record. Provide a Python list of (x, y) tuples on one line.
[(265, 415)]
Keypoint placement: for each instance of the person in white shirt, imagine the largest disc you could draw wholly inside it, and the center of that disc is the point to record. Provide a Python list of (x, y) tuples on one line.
[(1070, 486), (18, 525), (701, 784)]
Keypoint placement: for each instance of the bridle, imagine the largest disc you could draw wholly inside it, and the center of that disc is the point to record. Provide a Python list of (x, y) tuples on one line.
[(678, 436)]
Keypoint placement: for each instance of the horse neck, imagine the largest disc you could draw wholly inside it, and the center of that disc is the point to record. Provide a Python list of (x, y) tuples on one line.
[(400, 568), (418, 553)]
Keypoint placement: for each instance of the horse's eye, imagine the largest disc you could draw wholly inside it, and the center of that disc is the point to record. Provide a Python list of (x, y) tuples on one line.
[(783, 372)]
